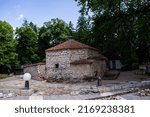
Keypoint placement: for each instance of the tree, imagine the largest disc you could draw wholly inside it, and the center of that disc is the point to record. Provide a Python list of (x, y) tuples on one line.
[(32, 25), (8, 55), (27, 46), (119, 27), (83, 30), (71, 29), (51, 33)]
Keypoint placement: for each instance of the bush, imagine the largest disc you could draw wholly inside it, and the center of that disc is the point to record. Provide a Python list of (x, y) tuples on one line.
[(135, 66)]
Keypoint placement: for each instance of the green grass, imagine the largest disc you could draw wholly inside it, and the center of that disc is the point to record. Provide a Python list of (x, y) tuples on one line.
[(5, 76)]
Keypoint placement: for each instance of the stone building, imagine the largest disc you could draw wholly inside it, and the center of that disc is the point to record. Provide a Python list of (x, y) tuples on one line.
[(37, 70), (74, 60)]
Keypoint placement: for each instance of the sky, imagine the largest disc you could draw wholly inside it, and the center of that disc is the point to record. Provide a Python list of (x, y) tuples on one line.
[(38, 11)]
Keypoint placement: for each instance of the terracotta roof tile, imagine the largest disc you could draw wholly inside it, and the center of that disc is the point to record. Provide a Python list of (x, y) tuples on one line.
[(70, 44)]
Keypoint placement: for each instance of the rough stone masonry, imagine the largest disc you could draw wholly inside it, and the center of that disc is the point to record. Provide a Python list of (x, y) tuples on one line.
[(74, 60), (70, 60)]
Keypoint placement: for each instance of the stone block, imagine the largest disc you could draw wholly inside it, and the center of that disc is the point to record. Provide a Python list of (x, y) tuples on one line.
[(1, 95), (10, 95), (26, 92)]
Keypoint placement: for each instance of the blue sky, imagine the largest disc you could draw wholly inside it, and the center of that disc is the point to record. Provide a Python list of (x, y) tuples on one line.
[(38, 11)]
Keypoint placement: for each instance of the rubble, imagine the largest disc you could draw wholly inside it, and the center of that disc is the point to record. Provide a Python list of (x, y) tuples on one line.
[(110, 98), (143, 92), (11, 95), (7, 95), (1, 95), (88, 91), (85, 91)]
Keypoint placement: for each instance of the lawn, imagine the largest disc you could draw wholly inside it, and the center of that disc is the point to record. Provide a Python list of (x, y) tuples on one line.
[(5, 76)]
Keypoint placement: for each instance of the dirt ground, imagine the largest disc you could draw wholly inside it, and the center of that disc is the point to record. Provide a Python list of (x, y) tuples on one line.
[(45, 88)]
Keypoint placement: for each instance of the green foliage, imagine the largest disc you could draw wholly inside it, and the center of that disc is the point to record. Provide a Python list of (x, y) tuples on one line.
[(120, 28), (27, 46), (71, 29), (51, 33), (2, 76), (8, 55), (83, 30)]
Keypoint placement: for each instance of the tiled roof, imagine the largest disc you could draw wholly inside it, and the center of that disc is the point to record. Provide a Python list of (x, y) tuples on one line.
[(70, 44)]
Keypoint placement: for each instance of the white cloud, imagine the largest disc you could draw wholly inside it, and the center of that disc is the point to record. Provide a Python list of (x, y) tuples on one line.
[(20, 17)]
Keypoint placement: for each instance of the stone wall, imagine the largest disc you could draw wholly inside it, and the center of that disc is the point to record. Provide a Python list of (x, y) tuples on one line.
[(58, 64), (99, 66), (88, 70), (93, 53), (37, 70), (62, 59), (81, 71)]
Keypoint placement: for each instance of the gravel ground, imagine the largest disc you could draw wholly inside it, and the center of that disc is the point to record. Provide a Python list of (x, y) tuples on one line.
[(43, 88)]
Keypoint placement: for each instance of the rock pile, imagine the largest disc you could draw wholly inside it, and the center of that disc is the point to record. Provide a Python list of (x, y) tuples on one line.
[(7, 95), (85, 91), (52, 91), (88, 91), (143, 92)]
